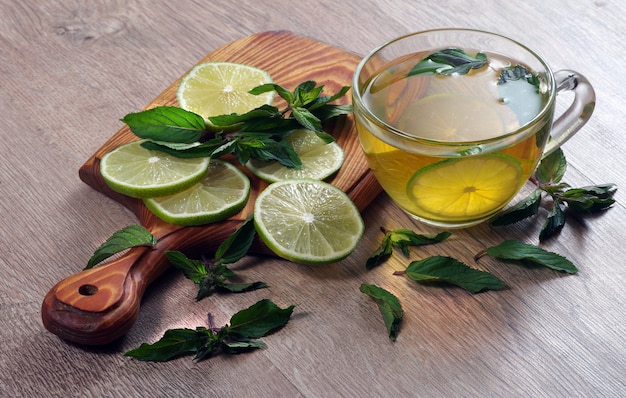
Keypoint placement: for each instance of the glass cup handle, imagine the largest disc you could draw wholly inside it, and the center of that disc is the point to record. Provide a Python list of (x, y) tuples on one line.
[(577, 114)]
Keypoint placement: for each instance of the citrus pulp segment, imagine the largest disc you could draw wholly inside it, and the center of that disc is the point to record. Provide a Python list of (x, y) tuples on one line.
[(222, 192), (307, 221), (136, 171), (465, 188), (319, 159), (221, 88)]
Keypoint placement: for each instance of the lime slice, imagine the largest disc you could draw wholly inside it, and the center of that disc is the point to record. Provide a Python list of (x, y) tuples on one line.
[(319, 159), (141, 173), (221, 88), (466, 188), (308, 221), (223, 192)]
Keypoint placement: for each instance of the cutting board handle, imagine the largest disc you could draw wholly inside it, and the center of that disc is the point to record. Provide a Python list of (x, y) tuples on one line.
[(98, 305)]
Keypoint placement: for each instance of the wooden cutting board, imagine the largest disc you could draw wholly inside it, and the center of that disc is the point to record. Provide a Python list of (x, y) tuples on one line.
[(97, 306)]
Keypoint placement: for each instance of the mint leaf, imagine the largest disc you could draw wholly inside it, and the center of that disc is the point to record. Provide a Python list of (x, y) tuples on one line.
[(518, 72), (552, 168), (389, 307), (125, 238), (260, 319), (529, 254), (166, 123), (401, 238), (236, 246), (448, 62), (174, 343), (554, 222), (520, 211), (450, 270), (590, 199)]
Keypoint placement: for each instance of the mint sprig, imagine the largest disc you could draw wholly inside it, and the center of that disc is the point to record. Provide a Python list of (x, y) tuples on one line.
[(548, 177), (258, 134), (212, 275), (241, 335)]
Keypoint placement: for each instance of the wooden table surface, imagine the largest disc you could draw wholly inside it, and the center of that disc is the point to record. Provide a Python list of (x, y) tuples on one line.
[(69, 70)]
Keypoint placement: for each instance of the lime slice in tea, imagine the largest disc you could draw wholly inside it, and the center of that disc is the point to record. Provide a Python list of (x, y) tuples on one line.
[(308, 221), (142, 173), (319, 159), (221, 88), (465, 188), (223, 192)]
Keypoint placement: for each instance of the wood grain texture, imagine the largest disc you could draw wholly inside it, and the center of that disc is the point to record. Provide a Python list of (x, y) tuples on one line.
[(71, 69)]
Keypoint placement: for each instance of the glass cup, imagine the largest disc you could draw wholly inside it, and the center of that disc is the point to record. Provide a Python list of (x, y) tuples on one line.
[(453, 122)]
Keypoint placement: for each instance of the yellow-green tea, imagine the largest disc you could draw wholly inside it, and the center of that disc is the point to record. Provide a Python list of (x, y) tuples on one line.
[(443, 145)]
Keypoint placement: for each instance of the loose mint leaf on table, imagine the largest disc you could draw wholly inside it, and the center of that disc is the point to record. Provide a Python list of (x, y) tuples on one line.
[(125, 238), (389, 307), (245, 327), (402, 239), (449, 270), (167, 124), (259, 320), (447, 62), (174, 343), (528, 254)]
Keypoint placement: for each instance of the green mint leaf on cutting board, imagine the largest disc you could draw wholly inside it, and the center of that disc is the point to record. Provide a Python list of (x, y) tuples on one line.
[(564, 199), (530, 255), (125, 238), (437, 269), (448, 62), (240, 336), (389, 307), (402, 239), (167, 124)]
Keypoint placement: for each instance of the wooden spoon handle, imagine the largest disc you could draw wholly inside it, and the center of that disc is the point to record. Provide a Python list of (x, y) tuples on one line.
[(98, 305)]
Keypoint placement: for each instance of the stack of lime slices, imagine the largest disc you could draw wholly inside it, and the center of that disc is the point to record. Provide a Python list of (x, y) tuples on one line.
[(298, 216)]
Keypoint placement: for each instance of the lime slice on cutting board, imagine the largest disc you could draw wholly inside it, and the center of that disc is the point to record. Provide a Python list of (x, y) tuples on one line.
[(308, 221), (222, 192), (142, 173), (221, 88)]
